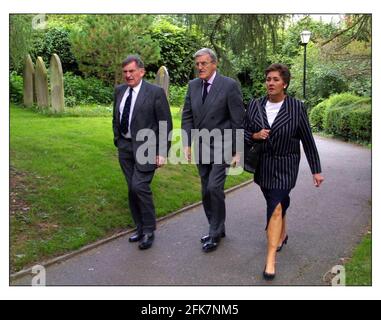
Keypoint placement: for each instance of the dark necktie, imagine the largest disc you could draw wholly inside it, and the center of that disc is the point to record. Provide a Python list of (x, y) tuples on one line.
[(205, 91), (126, 113)]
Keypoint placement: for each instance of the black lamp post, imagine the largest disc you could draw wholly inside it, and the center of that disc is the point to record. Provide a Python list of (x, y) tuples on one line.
[(305, 38)]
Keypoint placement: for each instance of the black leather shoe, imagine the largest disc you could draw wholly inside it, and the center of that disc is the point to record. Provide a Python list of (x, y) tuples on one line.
[(207, 237), (147, 241), (211, 244), (268, 276), (135, 237), (283, 243)]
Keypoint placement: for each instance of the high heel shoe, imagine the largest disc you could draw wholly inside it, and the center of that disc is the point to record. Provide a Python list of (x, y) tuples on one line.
[(283, 243), (268, 276)]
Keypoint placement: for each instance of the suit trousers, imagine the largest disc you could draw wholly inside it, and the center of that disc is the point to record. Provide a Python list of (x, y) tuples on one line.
[(139, 190), (213, 178)]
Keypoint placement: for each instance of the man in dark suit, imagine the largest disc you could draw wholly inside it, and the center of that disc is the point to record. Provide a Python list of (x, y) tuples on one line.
[(140, 108), (213, 104)]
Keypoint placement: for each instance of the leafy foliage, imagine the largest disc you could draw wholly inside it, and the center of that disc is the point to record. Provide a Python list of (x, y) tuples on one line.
[(357, 27), (86, 91), (360, 122), (20, 40), (102, 42), (317, 115), (338, 54), (177, 46), (345, 115), (55, 40), (177, 95), (16, 88), (230, 35)]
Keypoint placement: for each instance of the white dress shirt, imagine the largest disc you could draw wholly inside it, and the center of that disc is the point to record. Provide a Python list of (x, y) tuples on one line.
[(135, 92)]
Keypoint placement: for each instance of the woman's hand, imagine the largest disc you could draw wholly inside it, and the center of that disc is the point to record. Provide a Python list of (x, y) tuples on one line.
[(160, 161), (261, 135), (318, 179)]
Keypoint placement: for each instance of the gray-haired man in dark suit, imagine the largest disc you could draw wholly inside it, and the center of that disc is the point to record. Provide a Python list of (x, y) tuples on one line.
[(213, 103), (139, 107)]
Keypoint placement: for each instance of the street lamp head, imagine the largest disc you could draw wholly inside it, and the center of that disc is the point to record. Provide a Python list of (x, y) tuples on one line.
[(305, 36)]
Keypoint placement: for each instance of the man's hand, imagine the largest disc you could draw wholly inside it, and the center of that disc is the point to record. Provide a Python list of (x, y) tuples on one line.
[(188, 154), (318, 179), (235, 160), (160, 161)]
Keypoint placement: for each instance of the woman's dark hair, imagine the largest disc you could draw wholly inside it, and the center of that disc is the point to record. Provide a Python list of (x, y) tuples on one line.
[(283, 71)]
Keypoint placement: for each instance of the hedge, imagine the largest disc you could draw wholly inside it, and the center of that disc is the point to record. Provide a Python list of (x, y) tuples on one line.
[(317, 115), (344, 115), (80, 91), (360, 122)]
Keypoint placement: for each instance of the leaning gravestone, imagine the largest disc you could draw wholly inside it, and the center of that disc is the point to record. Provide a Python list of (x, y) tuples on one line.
[(56, 84), (28, 76), (162, 79), (41, 81)]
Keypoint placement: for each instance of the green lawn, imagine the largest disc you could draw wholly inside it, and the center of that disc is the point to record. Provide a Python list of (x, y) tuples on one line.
[(72, 189), (359, 268)]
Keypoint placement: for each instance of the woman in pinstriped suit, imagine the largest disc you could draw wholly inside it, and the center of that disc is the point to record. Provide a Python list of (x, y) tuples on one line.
[(285, 125)]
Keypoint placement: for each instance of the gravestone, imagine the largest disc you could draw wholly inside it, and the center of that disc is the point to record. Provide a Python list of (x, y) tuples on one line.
[(56, 84), (28, 77), (41, 83), (162, 79)]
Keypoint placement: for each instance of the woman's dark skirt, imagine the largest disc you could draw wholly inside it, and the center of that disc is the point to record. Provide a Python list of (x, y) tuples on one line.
[(273, 198)]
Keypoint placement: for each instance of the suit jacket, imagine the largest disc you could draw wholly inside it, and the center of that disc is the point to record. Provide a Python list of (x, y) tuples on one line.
[(279, 164), (223, 109), (151, 106)]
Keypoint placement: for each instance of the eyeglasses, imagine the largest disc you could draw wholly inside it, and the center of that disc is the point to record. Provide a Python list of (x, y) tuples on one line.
[(202, 64)]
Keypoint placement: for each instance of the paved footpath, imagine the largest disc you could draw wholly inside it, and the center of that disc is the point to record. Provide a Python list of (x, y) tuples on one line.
[(325, 224)]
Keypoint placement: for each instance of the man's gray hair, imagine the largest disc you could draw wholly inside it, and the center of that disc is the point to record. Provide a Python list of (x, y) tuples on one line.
[(204, 51), (133, 58)]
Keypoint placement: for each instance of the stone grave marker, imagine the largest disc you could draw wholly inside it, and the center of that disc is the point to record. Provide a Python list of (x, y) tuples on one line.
[(162, 79), (28, 78), (56, 84), (41, 83)]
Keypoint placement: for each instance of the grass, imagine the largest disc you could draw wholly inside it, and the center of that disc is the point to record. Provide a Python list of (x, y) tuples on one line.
[(67, 180), (359, 269), (91, 110)]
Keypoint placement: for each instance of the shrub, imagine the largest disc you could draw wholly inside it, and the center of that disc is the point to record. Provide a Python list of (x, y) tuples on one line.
[(247, 94), (177, 95), (86, 91), (15, 87), (337, 121), (360, 122), (55, 40), (177, 46), (347, 116), (317, 115), (337, 101), (327, 81)]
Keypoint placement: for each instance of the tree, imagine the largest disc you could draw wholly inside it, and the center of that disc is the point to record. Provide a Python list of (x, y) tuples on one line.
[(102, 42), (177, 46), (356, 27), (20, 40), (232, 35), (55, 40)]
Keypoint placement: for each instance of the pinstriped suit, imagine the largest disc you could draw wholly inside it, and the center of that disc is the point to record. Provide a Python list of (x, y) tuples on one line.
[(279, 165)]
